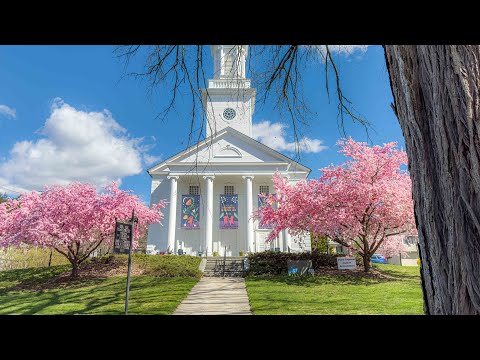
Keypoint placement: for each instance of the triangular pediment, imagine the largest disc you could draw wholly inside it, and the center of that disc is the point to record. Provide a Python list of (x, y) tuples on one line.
[(228, 146)]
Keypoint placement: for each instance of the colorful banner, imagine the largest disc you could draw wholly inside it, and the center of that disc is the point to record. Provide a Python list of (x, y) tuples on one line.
[(229, 211), (191, 212), (262, 203)]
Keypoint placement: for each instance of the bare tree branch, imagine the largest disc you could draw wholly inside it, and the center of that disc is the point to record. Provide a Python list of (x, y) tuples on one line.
[(276, 71)]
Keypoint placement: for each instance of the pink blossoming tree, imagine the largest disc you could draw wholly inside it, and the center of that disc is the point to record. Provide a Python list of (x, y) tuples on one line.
[(74, 220), (364, 204)]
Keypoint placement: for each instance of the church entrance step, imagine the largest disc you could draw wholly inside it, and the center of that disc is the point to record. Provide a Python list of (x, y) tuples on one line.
[(225, 267)]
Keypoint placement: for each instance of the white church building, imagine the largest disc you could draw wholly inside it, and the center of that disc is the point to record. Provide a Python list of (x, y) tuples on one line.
[(212, 187)]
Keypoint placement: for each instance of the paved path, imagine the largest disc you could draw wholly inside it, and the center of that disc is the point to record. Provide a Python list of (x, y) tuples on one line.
[(216, 296)]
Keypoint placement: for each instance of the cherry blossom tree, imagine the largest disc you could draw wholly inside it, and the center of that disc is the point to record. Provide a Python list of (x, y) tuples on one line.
[(364, 204), (74, 220)]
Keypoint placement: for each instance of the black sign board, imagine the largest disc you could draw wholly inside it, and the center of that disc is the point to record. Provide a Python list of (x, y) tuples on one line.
[(123, 238)]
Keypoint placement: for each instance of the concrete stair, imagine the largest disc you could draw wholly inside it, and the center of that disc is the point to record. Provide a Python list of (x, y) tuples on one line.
[(233, 266)]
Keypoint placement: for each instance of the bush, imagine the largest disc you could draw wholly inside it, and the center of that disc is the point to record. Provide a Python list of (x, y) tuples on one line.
[(359, 260), (275, 263), (319, 243)]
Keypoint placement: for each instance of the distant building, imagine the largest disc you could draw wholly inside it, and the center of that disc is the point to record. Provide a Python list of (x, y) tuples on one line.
[(410, 259), (337, 248)]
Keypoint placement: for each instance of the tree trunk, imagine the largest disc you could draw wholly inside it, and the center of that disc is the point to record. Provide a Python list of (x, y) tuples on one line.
[(74, 273), (366, 263), (436, 92)]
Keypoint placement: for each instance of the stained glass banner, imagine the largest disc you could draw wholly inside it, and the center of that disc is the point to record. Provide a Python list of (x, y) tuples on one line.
[(228, 211), (191, 212)]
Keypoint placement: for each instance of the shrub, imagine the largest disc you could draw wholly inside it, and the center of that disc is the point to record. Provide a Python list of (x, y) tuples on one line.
[(215, 253), (275, 263), (319, 243), (359, 260), (241, 253)]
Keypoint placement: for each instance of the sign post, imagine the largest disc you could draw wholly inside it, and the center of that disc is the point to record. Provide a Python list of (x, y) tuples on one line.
[(123, 245)]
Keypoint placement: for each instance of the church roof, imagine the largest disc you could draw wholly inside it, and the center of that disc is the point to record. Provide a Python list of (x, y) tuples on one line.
[(238, 135)]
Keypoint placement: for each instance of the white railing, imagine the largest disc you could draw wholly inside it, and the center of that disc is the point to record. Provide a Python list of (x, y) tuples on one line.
[(228, 83)]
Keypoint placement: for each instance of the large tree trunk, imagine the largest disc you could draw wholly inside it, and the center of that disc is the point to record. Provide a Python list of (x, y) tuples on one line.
[(366, 263), (74, 273), (436, 91)]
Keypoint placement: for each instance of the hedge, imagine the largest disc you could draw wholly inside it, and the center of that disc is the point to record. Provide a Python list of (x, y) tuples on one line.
[(275, 263)]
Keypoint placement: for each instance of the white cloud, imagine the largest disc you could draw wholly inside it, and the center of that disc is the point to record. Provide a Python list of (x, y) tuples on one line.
[(273, 135), (8, 112), (75, 145), (150, 159), (345, 50)]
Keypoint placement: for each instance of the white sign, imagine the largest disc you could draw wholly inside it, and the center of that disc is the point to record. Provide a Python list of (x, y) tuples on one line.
[(346, 263)]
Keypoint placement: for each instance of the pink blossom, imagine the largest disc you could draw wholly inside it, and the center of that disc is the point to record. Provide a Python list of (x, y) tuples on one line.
[(363, 204), (74, 219)]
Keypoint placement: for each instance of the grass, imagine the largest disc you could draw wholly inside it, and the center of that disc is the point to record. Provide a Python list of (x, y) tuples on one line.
[(328, 294), (165, 282)]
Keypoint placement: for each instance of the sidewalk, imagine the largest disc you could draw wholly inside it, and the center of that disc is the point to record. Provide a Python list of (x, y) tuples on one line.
[(216, 296)]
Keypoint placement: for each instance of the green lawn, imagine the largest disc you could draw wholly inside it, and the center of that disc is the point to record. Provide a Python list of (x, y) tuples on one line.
[(282, 295), (21, 291)]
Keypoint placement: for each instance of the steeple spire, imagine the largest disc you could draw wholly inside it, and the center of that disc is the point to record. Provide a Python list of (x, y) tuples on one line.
[(229, 61), (229, 101)]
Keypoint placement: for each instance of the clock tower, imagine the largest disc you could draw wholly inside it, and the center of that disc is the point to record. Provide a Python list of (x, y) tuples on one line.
[(229, 100)]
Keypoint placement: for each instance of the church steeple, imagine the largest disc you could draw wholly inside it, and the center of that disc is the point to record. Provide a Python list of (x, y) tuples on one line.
[(229, 100), (229, 61)]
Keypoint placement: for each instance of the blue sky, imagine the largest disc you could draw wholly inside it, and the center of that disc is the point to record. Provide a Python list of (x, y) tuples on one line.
[(66, 112)]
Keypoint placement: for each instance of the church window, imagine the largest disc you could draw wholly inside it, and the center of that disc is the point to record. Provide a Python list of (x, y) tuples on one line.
[(229, 190), (194, 190), (264, 189)]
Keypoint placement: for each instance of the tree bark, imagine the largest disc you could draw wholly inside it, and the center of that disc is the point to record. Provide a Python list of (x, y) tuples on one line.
[(366, 263), (436, 92), (74, 273)]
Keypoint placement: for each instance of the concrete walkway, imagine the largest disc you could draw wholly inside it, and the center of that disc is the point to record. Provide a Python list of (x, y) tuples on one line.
[(216, 296)]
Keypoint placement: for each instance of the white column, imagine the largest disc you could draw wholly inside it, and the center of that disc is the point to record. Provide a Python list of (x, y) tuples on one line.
[(248, 220), (209, 216), (172, 216), (288, 240)]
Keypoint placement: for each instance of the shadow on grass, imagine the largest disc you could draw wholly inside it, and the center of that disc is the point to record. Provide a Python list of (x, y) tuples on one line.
[(400, 275), (102, 296), (31, 276), (326, 279), (98, 290), (309, 280)]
